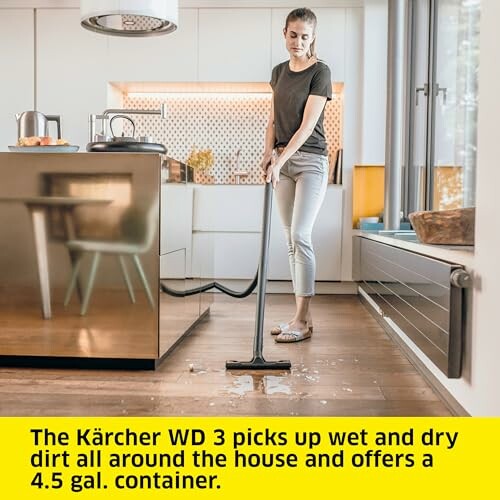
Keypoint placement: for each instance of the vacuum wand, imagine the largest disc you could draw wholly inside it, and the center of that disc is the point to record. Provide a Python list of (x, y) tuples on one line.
[(258, 362)]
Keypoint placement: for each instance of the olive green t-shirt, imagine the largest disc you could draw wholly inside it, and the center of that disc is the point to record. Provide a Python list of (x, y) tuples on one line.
[(291, 90)]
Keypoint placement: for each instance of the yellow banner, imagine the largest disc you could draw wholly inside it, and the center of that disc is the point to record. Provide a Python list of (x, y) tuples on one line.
[(248, 458)]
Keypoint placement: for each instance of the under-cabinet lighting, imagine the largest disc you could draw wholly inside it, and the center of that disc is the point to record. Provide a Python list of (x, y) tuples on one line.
[(205, 95)]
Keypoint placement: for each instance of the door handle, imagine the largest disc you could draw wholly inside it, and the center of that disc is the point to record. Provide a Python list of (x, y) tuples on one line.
[(444, 90), (424, 89)]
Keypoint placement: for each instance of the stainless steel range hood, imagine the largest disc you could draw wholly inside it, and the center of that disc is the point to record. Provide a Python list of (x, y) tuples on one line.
[(131, 18)]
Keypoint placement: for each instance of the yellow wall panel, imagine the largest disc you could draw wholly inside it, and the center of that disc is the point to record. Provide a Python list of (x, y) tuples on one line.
[(368, 192)]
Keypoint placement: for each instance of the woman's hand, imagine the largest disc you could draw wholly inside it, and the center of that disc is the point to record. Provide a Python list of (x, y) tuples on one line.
[(273, 172), (266, 160)]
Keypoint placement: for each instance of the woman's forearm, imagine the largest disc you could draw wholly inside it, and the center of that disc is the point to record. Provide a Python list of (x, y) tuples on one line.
[(297, 140), (270, 138)]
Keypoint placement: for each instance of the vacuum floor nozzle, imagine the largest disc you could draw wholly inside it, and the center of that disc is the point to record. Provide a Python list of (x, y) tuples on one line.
[(258, 363)]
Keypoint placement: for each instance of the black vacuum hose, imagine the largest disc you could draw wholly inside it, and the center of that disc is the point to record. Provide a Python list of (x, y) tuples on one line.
[(208, 286)]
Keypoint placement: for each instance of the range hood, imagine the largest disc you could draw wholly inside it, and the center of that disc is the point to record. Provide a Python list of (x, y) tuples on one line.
[(131, 18)]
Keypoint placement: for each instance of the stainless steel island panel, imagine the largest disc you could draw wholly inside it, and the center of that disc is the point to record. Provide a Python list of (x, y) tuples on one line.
[(98, 214)]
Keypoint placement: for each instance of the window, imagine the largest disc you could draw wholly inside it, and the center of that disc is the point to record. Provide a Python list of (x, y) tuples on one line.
[(443, 104)]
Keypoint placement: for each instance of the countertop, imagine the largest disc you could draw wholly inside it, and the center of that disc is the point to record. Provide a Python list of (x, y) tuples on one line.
[(463, 255)]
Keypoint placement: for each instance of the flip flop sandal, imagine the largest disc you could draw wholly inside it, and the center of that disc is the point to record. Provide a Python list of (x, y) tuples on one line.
[(289, 336), (276, 330)]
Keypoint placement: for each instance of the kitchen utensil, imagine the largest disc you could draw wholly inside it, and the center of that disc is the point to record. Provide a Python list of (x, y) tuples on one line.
[(122, 138), (34, 123)]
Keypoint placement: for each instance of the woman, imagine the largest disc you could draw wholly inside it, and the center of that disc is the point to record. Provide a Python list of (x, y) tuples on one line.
[(296, 158)]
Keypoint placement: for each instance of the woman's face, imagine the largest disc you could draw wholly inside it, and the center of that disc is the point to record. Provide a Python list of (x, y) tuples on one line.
[(298, 37)]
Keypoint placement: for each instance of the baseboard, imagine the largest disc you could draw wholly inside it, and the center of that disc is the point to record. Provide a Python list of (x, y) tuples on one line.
[(451, 403), (322, 287)]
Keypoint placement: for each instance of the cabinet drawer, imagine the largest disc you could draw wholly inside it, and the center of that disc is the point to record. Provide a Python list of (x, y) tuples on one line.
[(228, 208), (231, 256)]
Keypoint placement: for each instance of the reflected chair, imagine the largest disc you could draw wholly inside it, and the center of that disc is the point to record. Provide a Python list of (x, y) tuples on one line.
[(87, 221), (137, 229)]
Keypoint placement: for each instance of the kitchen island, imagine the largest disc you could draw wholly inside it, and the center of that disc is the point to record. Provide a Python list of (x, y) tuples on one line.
[(80, 261)]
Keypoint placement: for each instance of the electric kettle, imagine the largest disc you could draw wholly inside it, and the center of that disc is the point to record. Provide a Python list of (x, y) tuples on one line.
[(34, 123)]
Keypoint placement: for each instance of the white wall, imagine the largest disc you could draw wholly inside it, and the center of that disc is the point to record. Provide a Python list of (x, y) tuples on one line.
[(364, 102), (374, 82), (16, 94), (353, 121), (481, 394)]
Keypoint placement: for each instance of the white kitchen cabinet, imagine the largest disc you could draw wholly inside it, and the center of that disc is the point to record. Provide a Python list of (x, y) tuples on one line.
[(17, 63), (72, 71), (226, 231), (228, 219), (330, 32), (176, 217), (234, 45), (228, 208), (169, 58), (233, 255)]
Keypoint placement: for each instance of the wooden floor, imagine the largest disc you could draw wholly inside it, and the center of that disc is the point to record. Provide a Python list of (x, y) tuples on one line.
[(349, 367)]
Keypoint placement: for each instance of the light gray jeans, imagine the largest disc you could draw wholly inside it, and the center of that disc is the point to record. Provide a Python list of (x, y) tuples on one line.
[(299, 194)]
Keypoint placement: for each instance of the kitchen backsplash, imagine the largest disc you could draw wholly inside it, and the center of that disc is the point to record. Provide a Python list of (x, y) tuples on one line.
[(224, 123)]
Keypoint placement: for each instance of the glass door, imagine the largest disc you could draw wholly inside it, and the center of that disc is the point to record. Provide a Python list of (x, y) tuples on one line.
[(442, 104), (456, 63)]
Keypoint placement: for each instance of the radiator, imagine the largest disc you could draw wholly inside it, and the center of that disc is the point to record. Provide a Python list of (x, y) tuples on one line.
[(423, 296)]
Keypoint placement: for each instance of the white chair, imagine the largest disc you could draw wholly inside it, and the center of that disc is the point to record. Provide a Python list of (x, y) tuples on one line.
[(138, 229)]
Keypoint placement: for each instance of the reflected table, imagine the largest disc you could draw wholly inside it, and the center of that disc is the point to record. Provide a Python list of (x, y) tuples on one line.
[(38, 207)]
